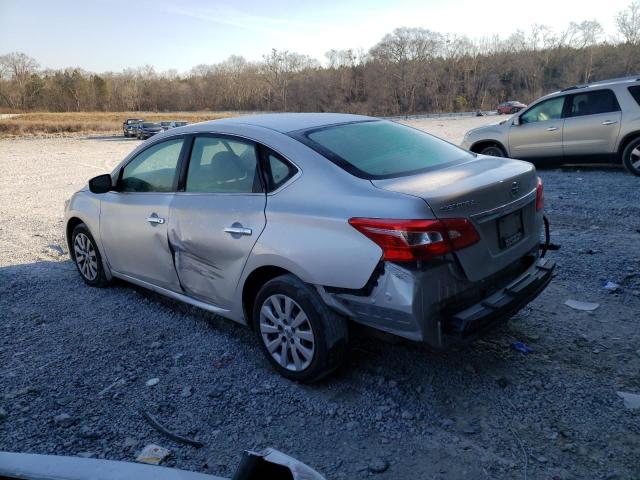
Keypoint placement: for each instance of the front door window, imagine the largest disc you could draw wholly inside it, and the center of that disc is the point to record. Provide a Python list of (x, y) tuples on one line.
[(548, 110)]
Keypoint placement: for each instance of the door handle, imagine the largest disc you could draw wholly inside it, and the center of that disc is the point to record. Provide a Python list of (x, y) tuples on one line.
[(155, 219), (238, 230), (552, 129), (609, 122)]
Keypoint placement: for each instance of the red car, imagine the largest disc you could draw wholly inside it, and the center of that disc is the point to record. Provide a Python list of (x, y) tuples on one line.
[(510, 107)]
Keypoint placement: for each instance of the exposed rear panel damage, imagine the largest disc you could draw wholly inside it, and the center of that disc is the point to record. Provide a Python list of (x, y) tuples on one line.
[(436, 304)]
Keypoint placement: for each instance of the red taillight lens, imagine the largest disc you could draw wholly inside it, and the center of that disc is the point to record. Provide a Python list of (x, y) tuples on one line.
[(407, 240), (539, 195)]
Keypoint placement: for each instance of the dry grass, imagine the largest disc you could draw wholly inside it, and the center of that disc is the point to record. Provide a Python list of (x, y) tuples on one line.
[(36, 124)]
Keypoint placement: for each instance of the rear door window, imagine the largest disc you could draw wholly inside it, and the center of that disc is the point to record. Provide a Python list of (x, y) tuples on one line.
[(592, 103), (223, 165), (635, 93), (381, 149), (153, 169)]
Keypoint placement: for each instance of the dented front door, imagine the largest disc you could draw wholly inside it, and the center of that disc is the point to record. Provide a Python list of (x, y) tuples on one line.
[(215, 222)]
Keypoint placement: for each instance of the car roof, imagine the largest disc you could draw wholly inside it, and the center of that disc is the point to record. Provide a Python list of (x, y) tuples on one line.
[(286, 122), (630, 80)]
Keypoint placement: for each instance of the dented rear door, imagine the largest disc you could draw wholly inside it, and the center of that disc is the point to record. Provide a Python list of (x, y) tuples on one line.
[(217, 219)]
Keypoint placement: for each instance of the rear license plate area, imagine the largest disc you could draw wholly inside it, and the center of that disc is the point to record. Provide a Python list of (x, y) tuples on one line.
[(510, 229)]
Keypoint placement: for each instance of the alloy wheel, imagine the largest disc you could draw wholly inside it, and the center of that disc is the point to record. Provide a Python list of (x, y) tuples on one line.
[(635, 158), (85, 256), (286, 332)]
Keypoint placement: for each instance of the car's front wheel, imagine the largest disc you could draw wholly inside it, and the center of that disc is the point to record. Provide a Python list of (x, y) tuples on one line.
[(631, 157), (300, 336), (493, 151), (86, 256)]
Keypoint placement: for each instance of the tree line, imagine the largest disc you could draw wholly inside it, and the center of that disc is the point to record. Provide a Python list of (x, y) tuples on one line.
[(409, 70)]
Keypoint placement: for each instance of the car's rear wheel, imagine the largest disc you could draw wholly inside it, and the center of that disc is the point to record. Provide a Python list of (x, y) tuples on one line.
[(300, 336), (86, 256), (631, 157), (492, 151)]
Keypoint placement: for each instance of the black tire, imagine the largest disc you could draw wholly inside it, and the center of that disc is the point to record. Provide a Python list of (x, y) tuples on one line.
[(493, 151), (329, 330), (100, 278), (631, 156)]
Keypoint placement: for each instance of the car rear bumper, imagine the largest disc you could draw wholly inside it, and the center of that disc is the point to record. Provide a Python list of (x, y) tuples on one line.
[(503, 303), (437, 305)]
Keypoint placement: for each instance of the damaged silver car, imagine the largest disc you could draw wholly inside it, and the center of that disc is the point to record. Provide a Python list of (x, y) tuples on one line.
[(296, 224)]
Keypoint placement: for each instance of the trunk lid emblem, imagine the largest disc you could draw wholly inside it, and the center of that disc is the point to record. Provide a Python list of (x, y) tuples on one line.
[(515, 189)]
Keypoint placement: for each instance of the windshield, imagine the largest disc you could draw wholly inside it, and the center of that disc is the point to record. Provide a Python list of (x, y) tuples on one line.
[(149, 125), (382, 149), (165, 124)]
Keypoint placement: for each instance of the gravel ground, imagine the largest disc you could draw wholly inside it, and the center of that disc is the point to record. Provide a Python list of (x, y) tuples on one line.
[(74, 361)]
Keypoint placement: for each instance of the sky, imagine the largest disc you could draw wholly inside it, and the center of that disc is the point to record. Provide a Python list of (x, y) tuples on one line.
[(110, 35)]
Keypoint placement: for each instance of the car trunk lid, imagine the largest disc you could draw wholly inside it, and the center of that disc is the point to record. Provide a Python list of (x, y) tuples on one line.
[(497, 195)]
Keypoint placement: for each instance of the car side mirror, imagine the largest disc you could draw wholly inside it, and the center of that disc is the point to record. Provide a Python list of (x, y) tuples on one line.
[(100, 184), (516, 121)]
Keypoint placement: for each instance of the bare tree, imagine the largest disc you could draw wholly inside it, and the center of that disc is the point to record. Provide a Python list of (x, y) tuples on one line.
[(17, 68), (628, 22), (279, 68)]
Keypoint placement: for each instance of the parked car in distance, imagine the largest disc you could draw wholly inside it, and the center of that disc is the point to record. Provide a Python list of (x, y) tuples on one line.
[(295, 224), (130, 126), (586, 123), (165, 124), (178, 123), (147, 129), (510, 107)]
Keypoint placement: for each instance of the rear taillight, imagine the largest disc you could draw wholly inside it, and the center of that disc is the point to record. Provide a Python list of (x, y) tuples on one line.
[(539, 195), (407, 240)]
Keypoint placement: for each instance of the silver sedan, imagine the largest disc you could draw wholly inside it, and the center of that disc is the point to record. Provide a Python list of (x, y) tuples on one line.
[(297, 224)]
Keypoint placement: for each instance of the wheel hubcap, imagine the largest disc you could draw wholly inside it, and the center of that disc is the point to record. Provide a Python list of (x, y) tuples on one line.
[(85, 256), (286, 332), (493, 152)]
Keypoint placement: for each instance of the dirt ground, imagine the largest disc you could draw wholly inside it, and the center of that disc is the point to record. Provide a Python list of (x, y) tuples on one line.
[(395, 411)]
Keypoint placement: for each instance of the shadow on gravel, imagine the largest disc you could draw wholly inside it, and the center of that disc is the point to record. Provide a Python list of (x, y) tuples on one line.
[(585, 167), (49, 289), (48, 286)]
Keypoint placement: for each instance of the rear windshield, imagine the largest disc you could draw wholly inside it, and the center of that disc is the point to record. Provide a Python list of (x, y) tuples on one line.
[(382, 149), (635, 93)]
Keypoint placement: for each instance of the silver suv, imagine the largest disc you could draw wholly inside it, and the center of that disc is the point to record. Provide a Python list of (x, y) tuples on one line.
[(296, 223), (585, 123)]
